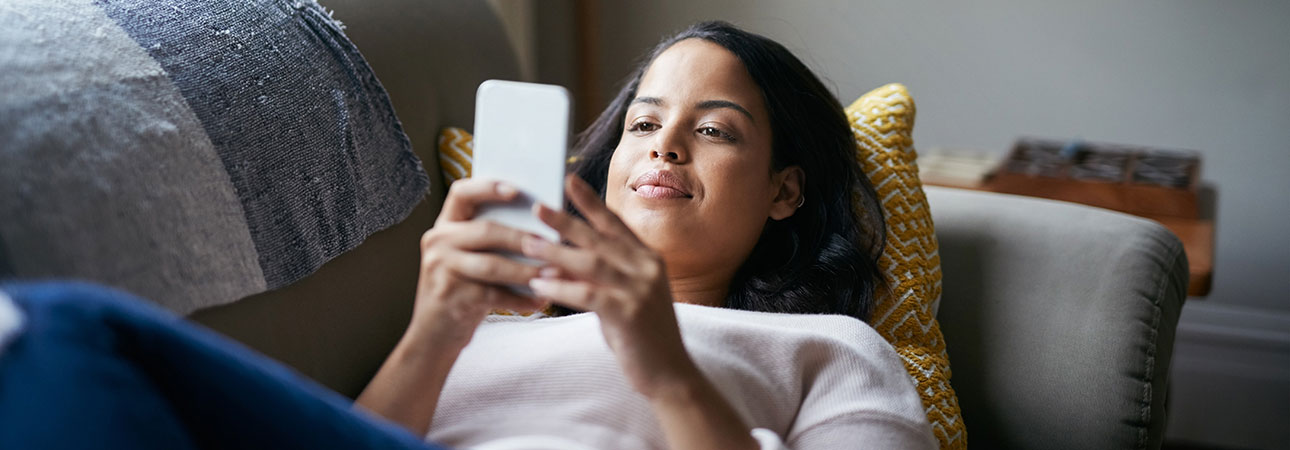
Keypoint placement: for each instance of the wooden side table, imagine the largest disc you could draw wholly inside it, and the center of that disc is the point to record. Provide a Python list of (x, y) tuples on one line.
[(1196, 232)]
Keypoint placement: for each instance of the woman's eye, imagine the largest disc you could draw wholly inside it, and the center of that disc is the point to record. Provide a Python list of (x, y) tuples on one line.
[(716, 133), (643, 127)]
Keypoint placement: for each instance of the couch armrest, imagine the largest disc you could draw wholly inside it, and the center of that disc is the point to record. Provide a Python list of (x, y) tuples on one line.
[(1059, 320)]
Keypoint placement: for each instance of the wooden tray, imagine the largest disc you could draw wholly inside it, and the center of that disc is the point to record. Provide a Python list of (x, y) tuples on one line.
[(1135, 180)]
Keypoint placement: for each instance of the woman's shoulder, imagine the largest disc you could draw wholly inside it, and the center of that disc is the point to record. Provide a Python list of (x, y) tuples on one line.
[(835, 328), (852, 381), (845, 333)]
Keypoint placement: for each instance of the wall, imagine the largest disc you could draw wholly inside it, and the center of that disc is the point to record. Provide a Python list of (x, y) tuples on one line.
[(1189, 74)]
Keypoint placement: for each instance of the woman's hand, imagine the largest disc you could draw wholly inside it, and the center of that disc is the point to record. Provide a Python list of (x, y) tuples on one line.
[(607, 270), (459, 283)]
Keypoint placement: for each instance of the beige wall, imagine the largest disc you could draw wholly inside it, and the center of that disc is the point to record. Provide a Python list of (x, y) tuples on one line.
[(519, 20), (1200, 74), (1191, 74)]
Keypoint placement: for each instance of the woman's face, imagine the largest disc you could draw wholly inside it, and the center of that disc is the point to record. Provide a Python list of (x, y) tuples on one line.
[(692, 174)]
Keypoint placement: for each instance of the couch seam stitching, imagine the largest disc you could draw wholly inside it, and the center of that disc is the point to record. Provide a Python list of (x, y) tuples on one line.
[(1149, 375)]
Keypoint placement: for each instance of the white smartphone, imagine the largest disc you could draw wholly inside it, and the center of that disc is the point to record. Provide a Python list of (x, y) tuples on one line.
[(522, 138)]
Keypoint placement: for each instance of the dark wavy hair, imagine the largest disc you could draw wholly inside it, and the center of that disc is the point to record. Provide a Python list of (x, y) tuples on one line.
[(824, 258)]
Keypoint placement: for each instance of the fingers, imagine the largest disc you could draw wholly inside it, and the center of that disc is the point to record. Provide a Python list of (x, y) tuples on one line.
[(502, 297), (476, 235), (588, 202), (465, 196), (574, 294), (461, 279), (477, 299), (458, 277), (602, 257), (570, 228), (490, 268), (576, 263), (607, 250)]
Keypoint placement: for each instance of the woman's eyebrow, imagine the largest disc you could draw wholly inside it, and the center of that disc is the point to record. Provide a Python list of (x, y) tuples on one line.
[(706, 104), (714, 104), (650, 100)]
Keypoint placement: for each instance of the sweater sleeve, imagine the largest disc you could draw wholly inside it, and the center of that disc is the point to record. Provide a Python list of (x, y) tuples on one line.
[(857, 394)]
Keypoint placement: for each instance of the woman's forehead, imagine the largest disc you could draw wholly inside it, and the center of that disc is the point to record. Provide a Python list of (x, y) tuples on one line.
[(694, 71)]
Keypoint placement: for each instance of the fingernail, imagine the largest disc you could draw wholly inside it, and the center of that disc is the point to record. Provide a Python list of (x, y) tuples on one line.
[(541, 287), (505, 190), (549, 272), (533, 245)]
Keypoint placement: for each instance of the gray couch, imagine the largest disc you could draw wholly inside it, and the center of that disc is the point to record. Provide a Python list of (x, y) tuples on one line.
[(1059, 318)]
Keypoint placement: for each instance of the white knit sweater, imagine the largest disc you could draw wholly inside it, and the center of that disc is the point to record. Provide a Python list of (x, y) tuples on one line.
[(803, 381)]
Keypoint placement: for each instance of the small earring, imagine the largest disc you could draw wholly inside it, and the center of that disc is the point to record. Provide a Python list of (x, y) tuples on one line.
[(801, 201)]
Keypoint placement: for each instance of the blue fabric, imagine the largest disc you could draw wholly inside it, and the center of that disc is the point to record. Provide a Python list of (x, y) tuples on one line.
[(97, 368)]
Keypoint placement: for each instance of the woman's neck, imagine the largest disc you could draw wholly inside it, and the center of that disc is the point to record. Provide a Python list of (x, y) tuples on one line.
[(706, 289)]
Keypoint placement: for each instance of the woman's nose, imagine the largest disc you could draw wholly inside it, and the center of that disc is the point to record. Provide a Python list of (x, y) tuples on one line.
[(670, 147), (665, 155)]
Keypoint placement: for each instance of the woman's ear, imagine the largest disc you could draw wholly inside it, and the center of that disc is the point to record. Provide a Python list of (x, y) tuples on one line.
[(788, 196)]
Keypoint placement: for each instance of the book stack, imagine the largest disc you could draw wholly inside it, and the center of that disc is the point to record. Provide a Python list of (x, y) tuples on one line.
[(1137, 180)]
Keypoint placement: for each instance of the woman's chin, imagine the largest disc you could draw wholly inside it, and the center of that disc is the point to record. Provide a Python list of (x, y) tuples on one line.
[(659, 216), (657, 210), (654, 224)]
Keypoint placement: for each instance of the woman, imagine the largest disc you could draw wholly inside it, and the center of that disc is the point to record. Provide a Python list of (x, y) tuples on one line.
[(716, 192), (722, 175)]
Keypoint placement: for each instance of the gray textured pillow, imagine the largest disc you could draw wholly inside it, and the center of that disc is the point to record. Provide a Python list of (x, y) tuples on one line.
[(191, 152)]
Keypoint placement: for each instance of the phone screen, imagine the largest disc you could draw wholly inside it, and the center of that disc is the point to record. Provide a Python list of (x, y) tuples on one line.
[(521, 138)]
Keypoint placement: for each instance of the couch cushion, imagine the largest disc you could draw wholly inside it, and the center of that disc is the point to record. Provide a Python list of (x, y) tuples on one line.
[(191, 152)]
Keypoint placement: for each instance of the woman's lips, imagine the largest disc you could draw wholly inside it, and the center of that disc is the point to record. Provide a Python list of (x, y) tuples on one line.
[(661, 184), (659, 192)]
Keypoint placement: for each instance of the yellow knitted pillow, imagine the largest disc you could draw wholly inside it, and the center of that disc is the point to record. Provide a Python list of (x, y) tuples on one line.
[(904, 314), (456, 148), (883, 123)]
